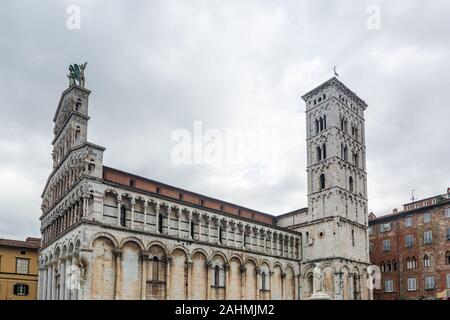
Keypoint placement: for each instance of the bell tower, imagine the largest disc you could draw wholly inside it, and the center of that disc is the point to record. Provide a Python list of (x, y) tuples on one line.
[(336, 225)]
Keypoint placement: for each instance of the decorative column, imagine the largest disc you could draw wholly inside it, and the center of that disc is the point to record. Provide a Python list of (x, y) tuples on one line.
[(200, 227), (226, 269), (118, 258), (243, 282), (43, 281), (297, 285), (144, 257), (168, 278), (208, 272), (119, 207), (271, 284), (351, 288), (235, 227), (189, 279), (54, 291), (283, 277), (208, 220), (157, 207), (133, 202), (179, 212), (144, 227), (76, 285), (49, 280), (258, 284), (190, 234), (62, 278), (68, 284)]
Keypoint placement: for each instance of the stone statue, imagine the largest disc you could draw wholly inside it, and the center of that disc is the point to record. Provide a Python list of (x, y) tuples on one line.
[(318, 279), (76, 73)]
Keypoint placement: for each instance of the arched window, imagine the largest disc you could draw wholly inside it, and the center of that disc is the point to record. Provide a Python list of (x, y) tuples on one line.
[(319, 154), (123, 214), (217, 276), (324, 121), (155, 269), (317, 126), (160, 223), (350, 183), (353, 237), (324, 151), (192, 229), (322, 181), (447, 257), (426, 261), (413, 263), (263, 281), (342, 124), (345, 154), (321, 123)]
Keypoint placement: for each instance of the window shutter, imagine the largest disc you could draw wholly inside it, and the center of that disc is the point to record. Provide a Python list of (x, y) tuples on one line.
[(15, 289), (26, 290)]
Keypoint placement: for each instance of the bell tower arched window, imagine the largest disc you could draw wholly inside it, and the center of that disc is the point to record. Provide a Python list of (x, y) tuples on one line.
[(322, 181), (318, 154), (350, 184)]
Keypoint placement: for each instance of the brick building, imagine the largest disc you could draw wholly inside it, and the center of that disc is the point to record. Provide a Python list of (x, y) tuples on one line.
[(412, 249)]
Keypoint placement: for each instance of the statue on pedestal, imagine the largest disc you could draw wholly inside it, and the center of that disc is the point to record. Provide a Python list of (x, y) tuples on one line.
[(318, 279), (76, 73)]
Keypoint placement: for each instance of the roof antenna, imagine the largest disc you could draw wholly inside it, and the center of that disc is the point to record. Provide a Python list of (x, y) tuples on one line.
[(335, 72)]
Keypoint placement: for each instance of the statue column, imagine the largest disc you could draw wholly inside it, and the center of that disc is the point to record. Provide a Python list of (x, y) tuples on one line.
[(168, 278), (144, 257), (118, 258), (62, 278)]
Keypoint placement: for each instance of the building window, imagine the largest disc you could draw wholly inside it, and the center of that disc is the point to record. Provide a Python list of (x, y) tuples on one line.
[(123, 214), (447, 233), (409, 241), (447, 257), (426, 261), (217, 276), (220, 235), (263, 281), (192, 229), (370, 230), (350, 184), (385, 227), (160, 223), (317, 126), (448, 280), (353, 237), (322, 181), (132, 183), (408, 222), (387, 245), (447, 212), (22, 266), (20, 289), (427, 237), (394, 265), (155, 269), (388, 266), (412, 284), (429, 283), (324, 151), (319, 154), (426, 217), (389, 286)]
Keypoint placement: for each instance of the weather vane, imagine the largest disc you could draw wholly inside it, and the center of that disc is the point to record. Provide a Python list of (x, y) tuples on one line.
[(335, 72)]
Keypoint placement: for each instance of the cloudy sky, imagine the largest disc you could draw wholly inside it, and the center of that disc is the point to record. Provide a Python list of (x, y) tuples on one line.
[(156, 67)]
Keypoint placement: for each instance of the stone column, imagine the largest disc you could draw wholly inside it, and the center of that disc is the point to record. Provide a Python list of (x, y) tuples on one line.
[(133, 202), (119, 207), (271, 284), (54, 291), (258, 283), (144, 258), (209, 228), (43, 281), (67, 286), (190, 225), (168, 278), (297, 287), (77, 284), (243, 282), (144, 227), (235, 235), (351, 289), (283, 277), (157, 208), (226, 268), (189, 280), (200, 227), (179, 212), (208, 272), (62, 278), (118, 258)]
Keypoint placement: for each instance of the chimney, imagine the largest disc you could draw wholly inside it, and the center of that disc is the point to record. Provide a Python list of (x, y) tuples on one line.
[(395, 210)]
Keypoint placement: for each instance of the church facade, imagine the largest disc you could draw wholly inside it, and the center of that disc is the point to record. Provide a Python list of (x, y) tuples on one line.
[(109, 234)]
